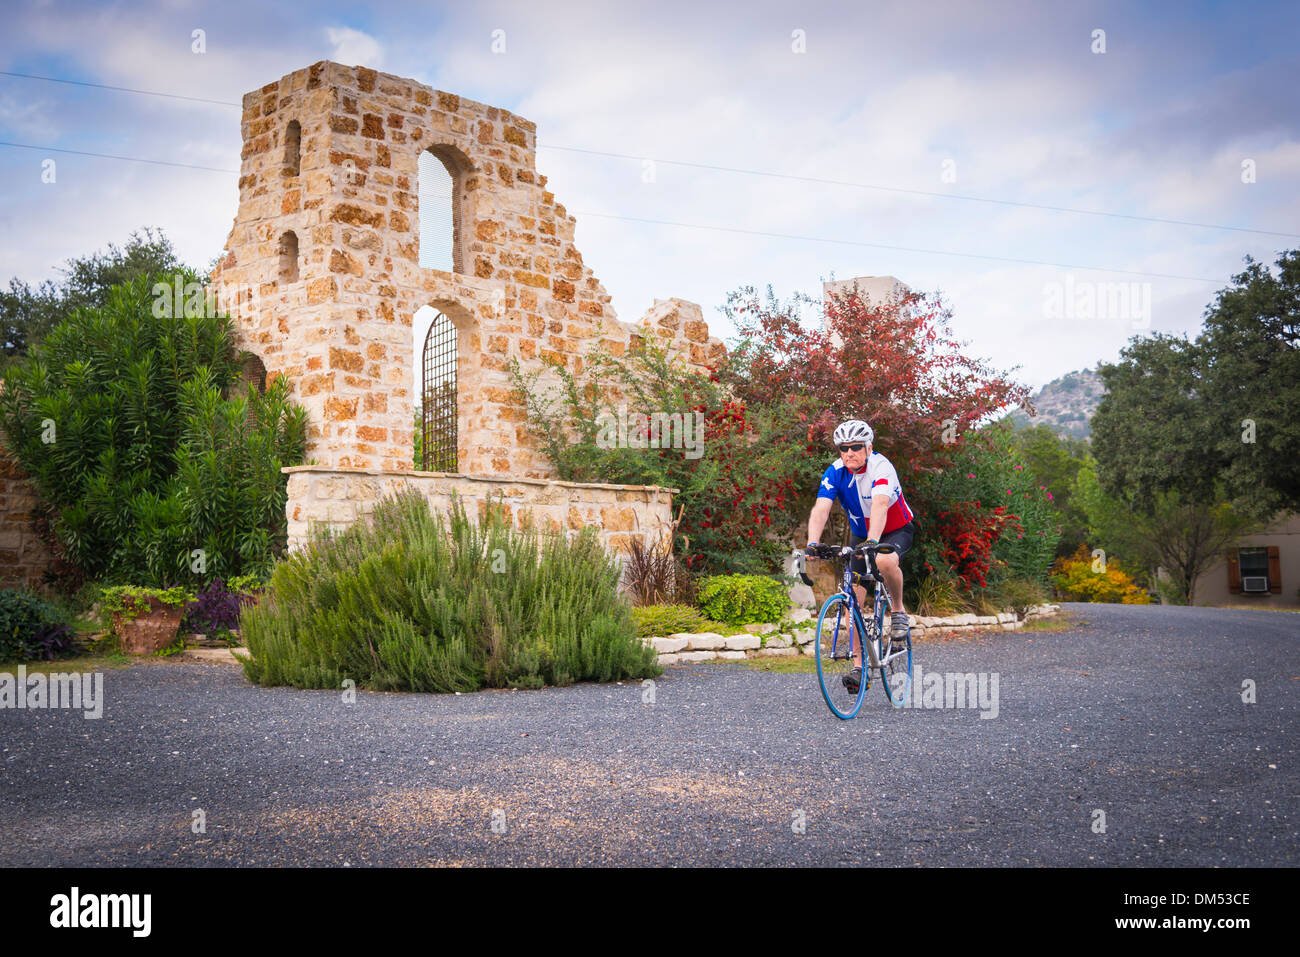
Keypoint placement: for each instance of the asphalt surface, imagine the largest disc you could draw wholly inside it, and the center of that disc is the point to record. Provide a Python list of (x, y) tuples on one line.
[(1136, 712)]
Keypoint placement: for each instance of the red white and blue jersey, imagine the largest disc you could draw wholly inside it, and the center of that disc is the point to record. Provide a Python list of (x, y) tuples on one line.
[(855, 491)]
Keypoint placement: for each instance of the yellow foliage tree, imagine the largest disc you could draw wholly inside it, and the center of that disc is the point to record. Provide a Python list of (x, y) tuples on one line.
[(1081, 578)]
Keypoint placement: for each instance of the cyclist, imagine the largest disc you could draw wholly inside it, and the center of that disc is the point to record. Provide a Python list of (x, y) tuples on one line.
[(867, 487)]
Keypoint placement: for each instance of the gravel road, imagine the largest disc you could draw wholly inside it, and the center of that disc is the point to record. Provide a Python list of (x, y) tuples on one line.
[(1135, 712)]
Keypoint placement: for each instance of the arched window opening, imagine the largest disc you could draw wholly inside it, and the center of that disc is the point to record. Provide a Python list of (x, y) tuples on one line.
[(438, 394), (254, 374), (292, 147), (289, 257), (440, 212)]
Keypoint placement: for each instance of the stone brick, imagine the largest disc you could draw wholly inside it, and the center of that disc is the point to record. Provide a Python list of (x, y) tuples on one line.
[(340, 409), (344, 262), (321, 290), (343, 124), (346, 360), (354, 215)]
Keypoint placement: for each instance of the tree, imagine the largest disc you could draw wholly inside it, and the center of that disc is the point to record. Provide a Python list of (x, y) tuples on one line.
[(1223, 410), (27, 315), (1187, 537), (1184, 536), (1153, 430), (894, 364), (1249, 355)]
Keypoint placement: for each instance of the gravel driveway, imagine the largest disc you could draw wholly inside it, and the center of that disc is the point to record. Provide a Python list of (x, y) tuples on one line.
[(1136, 713)]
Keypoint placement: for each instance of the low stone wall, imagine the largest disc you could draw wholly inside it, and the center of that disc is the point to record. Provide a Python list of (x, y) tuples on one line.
[(761, 641), (338, 497)]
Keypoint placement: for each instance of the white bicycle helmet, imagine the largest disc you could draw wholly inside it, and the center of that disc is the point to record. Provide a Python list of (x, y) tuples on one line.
[(854, 430)]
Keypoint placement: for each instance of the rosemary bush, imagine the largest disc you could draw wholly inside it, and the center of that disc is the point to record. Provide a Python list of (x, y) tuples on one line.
[(407, 600)]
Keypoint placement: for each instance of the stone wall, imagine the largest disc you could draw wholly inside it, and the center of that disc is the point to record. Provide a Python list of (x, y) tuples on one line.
[(338, 324), (24, 557), (338, 497), (767, 640)]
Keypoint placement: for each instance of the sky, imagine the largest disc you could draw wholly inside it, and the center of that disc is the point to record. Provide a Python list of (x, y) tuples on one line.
[(1007, 156)]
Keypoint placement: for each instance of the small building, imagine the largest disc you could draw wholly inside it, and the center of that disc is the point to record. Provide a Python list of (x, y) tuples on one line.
[(1261, 571)]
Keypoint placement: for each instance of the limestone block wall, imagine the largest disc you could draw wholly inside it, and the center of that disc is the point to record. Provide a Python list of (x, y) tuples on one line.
[(336, 317), (24, 557), (337, 497)]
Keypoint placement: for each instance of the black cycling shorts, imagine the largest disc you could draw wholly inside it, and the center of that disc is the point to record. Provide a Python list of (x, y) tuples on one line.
[(900, 538)]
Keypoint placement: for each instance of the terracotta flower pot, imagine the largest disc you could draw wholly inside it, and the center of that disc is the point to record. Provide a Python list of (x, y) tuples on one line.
[(150, 631)]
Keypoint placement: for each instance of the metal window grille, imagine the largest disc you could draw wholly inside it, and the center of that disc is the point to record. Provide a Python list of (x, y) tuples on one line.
[(439, 421)]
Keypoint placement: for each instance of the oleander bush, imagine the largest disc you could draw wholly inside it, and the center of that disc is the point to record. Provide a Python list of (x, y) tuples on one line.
[(152, 462), (407, 600), (32, 628), (743, 599)]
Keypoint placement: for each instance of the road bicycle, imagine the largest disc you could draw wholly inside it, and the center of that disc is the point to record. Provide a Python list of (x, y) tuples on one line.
[(842, 634)]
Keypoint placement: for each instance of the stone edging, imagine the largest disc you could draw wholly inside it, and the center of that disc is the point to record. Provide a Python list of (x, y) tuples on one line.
[(764, 641)]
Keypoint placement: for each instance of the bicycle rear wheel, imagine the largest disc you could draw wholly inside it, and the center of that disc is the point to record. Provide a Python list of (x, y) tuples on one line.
[(834, 649)]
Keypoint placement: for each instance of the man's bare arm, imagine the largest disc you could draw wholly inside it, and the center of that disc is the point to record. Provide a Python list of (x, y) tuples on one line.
[(821, 511), (879, 513)]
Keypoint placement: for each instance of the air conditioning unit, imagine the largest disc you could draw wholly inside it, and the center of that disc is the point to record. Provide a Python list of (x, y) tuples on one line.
[(1255, 583)]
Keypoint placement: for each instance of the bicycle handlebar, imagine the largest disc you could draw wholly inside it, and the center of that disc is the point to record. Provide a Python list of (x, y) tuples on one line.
[(829, 552)]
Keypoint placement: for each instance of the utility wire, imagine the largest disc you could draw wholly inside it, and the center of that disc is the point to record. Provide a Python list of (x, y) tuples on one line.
[(118, 89), (922, 192), (723, 229), (751, 172), (128, 159), (906, 249)]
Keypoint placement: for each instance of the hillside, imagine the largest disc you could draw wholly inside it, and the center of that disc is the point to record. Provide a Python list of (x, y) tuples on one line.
[(1066, 404)]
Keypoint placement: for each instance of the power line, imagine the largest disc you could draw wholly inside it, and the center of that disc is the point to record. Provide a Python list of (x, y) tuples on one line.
[(119, 89), (906, 249), (723, 229), (765, 173), (922, 192), (128, 159)]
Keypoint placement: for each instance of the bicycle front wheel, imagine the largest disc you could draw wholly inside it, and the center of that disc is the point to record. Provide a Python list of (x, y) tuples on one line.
[(835, 646), (896, 670)]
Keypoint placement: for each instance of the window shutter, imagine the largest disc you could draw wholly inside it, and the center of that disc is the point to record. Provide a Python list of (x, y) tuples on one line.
[(1274, 570), (1234, 574)]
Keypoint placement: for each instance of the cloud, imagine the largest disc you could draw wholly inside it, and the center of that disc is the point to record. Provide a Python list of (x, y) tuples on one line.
[(354, 48)]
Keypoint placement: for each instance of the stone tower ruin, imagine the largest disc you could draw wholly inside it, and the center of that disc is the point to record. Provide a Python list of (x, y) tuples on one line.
[(321, 269), (322, 276)]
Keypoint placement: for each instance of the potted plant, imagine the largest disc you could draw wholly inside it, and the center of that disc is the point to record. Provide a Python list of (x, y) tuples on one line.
[(145, 620)]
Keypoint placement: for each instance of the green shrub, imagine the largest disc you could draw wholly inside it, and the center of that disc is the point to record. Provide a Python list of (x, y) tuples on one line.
[(743, 599), (142, 447), (940, 594), (31, 628), (409, 601), (1019, 595), (669, 620)]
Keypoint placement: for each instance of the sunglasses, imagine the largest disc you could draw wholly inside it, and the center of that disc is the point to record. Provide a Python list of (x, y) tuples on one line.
[(853, 448)]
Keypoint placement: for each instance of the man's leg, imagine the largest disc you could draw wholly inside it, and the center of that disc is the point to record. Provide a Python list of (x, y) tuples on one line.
[(893, 576), (857, 639)]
